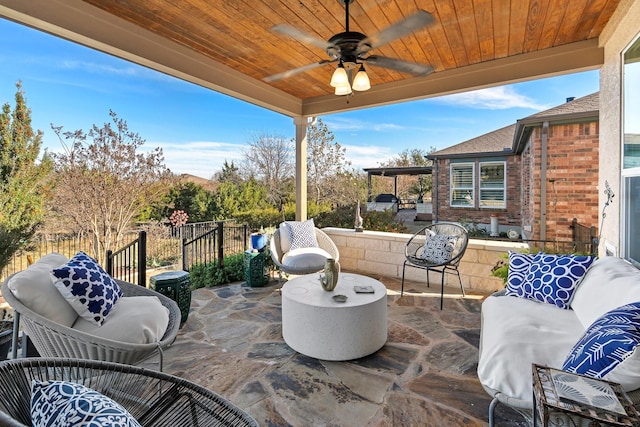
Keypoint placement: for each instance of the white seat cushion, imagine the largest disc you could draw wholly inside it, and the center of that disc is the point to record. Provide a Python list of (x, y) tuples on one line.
[(35, 289), (517, 332), (305, 258), (609, 283), (138, 320)]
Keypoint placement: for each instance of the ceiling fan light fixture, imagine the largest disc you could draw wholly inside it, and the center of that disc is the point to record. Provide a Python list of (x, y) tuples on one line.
[(339, 77), (344, 89), (361, 81)]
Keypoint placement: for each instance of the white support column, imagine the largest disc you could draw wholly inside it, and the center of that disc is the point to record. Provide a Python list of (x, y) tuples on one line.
[(301, 123)]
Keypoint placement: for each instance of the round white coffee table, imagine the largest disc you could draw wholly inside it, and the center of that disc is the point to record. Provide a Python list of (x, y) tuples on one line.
[(316, 325)]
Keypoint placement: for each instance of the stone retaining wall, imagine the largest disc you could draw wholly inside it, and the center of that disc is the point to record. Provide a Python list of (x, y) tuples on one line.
[(374, 252)]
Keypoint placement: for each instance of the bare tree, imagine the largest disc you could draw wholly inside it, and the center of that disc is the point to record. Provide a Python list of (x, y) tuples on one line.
[(269, 159), (103, 181), (326, 162), (412, 185)]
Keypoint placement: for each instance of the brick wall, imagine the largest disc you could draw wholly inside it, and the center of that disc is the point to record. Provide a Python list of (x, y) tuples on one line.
[(511, 216), (571, 179)]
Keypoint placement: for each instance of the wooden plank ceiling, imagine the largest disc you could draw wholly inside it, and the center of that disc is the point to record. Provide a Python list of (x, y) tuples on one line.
[(238, 33)]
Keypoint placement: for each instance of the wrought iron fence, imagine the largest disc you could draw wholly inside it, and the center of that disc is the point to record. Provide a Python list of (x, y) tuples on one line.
[(206, 242), (130, 262), (227, 238)]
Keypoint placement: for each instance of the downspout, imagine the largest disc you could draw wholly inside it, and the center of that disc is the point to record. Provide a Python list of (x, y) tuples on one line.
[(434, 191), (301, 167), (543, 180)]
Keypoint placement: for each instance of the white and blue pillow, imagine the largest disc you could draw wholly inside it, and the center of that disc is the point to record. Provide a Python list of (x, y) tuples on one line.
[(302, 234), (554, 278), (519, 264), (87, 287), (438, 248), (66, 404), (608, 349)]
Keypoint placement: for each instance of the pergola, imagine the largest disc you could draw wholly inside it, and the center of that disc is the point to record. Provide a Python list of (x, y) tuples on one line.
[(229, 46), (395, 172)]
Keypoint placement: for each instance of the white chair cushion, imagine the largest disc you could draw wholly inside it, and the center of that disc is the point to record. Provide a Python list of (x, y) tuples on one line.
[(137, 320), (517, 332), (285, 240), (35, 289), (609, 283), (305, 258)]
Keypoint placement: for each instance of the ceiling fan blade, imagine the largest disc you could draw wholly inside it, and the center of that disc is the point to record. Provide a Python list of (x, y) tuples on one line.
[(399, 65), (300, 35), (411, 23), (298, 70)]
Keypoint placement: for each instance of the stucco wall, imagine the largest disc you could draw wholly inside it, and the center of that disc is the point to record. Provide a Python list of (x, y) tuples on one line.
[(618, 34), (378, 253)]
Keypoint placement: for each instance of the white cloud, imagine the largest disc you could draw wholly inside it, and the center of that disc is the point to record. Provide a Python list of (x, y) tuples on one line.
[(336, 124), (367, 156), (200, 158), (495, 98)]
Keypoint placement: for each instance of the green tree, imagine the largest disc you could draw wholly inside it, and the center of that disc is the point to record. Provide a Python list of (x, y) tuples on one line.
[(231, 199), (23, 179), (228, 173), (103, 181), (192, 198), (326, 161)]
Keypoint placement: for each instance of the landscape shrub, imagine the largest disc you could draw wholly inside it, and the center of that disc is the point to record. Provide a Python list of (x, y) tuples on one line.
[(210, 275), (344, 217)]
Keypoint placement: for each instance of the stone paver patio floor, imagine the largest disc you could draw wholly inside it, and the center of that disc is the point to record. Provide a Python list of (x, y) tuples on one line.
[(425, 375)]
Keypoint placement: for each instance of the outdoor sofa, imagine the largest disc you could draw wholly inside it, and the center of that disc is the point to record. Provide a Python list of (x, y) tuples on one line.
[(594, 331)]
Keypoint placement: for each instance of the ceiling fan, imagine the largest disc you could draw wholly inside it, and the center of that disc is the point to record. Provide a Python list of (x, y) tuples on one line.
[(351, 50)]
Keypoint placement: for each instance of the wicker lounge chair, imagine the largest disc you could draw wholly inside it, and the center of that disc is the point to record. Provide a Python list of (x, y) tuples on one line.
[(324, 242), (414, 256), (52, 339), (152, 398)]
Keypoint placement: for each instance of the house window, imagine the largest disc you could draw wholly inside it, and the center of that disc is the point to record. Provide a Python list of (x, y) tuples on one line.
[(631, 153), (492, 184), (462, 194)]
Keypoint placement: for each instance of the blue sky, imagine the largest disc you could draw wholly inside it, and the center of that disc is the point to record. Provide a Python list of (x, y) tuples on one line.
[(75, 87)]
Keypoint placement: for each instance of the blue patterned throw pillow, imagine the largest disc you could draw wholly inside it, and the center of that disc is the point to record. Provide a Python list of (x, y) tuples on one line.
[(87, 287), (519, 264), (66, 404), (554, 278), (607, 349), (302, 234)]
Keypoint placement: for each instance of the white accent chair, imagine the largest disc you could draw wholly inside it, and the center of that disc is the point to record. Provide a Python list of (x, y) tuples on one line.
[(304, 260)]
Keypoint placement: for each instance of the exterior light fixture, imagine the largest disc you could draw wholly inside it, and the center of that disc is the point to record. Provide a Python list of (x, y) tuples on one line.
[(340, 77), (344, 89), (361, 81), (341, 80)]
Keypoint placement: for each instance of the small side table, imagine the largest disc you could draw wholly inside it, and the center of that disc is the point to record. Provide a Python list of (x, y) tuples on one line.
[(547, 404), (255, 273), (177, 286)]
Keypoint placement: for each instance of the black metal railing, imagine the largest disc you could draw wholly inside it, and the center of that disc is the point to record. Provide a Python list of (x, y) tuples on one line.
[(213, 245), (130, 262)]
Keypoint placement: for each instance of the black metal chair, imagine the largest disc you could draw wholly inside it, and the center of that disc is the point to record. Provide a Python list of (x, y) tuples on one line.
[(437, 247), (152, 398)]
